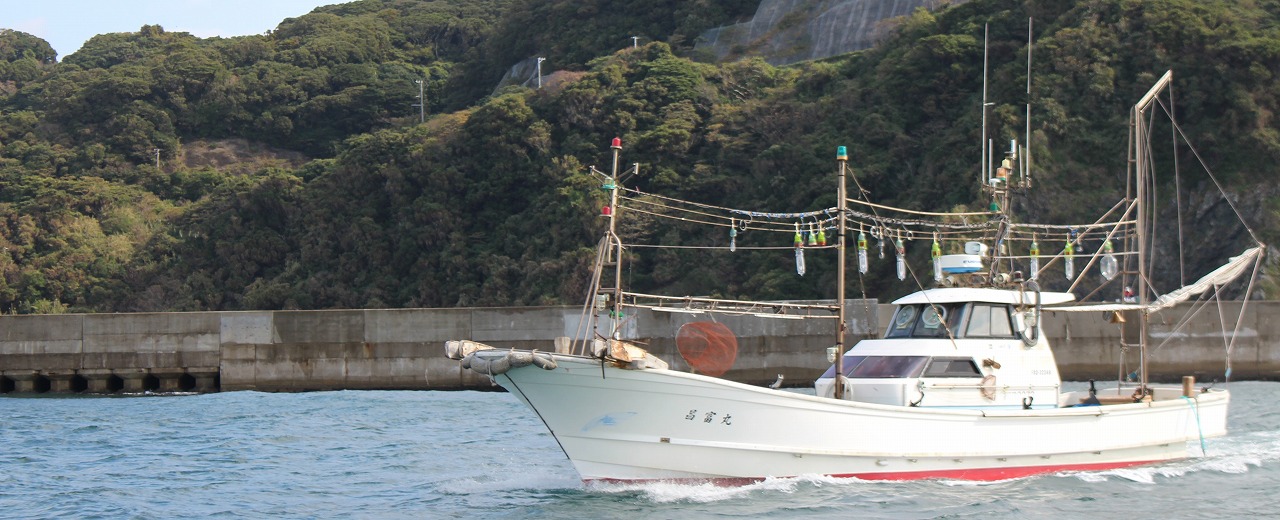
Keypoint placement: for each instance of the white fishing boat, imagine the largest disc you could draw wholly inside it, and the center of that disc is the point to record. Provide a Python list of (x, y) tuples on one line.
[(963, 383)]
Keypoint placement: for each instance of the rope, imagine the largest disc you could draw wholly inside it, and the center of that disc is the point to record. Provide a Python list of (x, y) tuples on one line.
[(726, 248), (587, 316), (1195, 409), (1213, 178), (924, 213), (760, 214)]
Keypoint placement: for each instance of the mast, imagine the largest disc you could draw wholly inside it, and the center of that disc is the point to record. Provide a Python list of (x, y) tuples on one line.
[(616, 145), (842, 157), (1141, 175)]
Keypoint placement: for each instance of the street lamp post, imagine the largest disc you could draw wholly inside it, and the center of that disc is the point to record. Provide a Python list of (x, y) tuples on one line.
[(540, 60)]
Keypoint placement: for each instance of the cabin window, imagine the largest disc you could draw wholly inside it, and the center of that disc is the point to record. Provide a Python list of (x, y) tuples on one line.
[(850, 363), (988, 320), (925, 321), (881, 367), (903, 321), (952, 367)]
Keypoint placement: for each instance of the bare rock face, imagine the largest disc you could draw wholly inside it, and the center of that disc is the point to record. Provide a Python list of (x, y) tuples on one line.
[(788, 31)]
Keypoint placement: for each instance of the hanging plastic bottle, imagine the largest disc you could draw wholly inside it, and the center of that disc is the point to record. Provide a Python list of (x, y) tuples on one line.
[(879, 241), (902, 258), (799, 242), (1069, 259), (936, 251), (1108, 265), (800, 261), (733, 235), (1035, 258), (862, 252)]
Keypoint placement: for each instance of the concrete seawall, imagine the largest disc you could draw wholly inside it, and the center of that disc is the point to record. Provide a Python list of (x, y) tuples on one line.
[(403, 349)]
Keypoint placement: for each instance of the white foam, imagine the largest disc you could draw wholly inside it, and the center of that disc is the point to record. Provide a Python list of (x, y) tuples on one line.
[(699, 493)]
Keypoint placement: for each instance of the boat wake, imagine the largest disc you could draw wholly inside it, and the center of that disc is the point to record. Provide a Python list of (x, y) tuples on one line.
[(698, 493), (1235, 454)]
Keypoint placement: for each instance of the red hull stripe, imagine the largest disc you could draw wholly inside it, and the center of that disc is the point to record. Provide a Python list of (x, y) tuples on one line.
[(976, 474)]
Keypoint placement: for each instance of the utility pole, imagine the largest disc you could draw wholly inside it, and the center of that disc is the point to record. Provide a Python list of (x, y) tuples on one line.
[(421, 104), (157, 152), (540, 60), (635, 41)]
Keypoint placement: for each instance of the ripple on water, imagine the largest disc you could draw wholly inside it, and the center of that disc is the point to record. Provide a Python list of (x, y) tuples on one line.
[(451, 454)]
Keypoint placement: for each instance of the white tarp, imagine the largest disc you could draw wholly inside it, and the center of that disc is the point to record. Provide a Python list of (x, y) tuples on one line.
[(1220, 276)]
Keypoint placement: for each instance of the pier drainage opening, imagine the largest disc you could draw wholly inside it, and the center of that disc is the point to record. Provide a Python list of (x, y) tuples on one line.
[(79, 383), (40, 384), (6, 385), (115, 383), (150, 383), (186, 382)]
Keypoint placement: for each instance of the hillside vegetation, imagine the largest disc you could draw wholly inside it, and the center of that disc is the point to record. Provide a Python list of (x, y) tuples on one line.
[(346, 201)]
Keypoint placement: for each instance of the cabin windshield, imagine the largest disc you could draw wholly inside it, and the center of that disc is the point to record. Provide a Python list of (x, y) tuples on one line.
[(926, 321)]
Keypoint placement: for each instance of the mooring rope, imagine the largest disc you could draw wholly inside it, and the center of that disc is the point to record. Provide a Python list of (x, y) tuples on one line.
[(1199, 429)]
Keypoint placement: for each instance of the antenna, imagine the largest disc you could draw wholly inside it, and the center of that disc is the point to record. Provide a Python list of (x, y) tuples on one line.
[(1026, 156), (982, 167)]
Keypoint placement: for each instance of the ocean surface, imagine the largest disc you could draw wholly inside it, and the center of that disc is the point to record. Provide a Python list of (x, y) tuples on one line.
[(484, 455)]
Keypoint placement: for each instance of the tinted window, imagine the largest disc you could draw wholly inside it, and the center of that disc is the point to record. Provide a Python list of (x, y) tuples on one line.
[(889, 367), (850, 363), (952, 367), (930, 324), (925, 321), (903, 320)]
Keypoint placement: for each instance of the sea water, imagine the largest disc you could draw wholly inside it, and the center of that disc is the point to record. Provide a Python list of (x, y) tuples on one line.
[(372, 454)]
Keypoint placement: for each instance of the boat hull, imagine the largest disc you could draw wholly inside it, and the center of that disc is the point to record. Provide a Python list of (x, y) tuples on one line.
[(618, 424)]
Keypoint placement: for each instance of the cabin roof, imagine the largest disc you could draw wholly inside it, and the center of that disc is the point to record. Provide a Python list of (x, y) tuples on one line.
[(971, 294)]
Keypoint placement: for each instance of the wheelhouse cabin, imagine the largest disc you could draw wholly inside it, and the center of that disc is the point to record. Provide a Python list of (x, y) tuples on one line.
[(959, 348)]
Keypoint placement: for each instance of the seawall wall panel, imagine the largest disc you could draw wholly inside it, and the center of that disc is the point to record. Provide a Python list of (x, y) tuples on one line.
[(403, 348)]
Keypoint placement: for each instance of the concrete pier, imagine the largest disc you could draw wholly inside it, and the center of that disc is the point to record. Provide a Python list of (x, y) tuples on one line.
[(403, 348), (101, 381)]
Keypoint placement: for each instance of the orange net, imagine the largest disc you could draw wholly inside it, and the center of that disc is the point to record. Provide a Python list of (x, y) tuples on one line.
[(710, 348)]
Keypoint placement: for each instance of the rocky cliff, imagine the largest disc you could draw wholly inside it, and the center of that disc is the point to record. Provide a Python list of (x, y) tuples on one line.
[(788, 31)]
